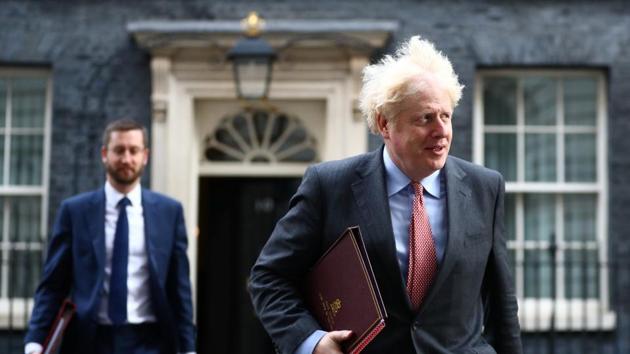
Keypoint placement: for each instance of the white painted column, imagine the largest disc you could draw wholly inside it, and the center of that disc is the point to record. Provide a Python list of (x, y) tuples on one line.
[(174, 162), (160, 80)]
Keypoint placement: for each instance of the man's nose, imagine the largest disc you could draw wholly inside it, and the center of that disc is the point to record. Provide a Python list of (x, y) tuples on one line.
[(126, 156), (439, 128)]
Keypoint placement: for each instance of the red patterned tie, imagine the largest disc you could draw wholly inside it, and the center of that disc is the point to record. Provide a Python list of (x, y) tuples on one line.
[(422, 257)]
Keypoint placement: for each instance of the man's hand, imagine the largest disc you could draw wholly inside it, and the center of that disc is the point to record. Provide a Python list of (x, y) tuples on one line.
[(331, 342), (33, 348)]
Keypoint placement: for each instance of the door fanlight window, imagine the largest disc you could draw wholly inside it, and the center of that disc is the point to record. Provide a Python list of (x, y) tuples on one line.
[(259, 136)]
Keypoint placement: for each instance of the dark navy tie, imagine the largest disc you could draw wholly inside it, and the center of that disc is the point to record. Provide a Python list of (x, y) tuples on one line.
[(120, 256)]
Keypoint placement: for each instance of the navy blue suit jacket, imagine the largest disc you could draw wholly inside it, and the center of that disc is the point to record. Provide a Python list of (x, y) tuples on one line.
[(470, 308), (75, 267)]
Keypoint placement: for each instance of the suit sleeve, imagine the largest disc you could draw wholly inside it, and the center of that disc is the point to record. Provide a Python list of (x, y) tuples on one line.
[(179, 288), (290, 251), (502, 322), (55, 284)]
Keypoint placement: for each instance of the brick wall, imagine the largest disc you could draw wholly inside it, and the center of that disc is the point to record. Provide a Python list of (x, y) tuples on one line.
[(100, 74)]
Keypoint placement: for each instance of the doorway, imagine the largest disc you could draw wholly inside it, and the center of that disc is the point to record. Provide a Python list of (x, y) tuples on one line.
[(236, 216)]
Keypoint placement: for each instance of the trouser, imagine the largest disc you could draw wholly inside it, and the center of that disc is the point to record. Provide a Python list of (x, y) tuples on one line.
[(142, 338)]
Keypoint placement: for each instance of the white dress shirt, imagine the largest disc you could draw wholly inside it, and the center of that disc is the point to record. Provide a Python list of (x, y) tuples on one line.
[(138, 293)]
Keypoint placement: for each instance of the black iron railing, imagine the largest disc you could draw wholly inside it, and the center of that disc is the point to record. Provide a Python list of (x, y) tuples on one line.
[(587, 316), (20, 268), (550, 326)]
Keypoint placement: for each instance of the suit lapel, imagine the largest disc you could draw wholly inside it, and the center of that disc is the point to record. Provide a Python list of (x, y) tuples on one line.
[(151, 234), (95, 219), (457, 200), (370, 193)]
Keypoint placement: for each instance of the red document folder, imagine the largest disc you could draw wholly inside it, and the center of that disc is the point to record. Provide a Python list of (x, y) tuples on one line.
[(55, 335), (342, 294)]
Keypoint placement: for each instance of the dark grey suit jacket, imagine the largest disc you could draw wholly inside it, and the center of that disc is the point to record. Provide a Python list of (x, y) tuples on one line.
[(471, 306)]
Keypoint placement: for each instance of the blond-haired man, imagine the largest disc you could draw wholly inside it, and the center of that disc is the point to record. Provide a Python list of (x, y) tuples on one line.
[(432, 225)]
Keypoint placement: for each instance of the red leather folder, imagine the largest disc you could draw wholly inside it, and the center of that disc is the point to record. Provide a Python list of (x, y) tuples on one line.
[(55, 335), (342, 294)]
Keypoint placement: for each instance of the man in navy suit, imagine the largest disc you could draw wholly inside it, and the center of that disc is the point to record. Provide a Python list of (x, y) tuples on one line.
[(119, 253), (432, 226)]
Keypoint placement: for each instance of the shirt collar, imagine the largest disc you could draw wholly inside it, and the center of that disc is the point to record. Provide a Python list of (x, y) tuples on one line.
[(397, 180), (112, 196), (432, 184)]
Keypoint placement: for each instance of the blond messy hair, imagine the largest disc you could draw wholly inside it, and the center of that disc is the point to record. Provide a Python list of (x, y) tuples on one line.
[(388, 82)]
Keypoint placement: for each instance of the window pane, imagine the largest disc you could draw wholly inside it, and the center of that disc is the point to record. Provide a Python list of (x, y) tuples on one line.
[(579, 217), (580, 101), (499, 101), (240, 123), (1, 159), (3, 99), (3, 102), (510, 216), (28, 101), (539, 280), (27, 153), (581, 274), (2, 201), (25, 269), (580, 158), (25, 219), (540, 157), (500, 154), (512, 260), (540, 217), (540, 101)]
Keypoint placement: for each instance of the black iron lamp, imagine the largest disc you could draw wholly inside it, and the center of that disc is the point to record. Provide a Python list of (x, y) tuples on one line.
[(252, 58)]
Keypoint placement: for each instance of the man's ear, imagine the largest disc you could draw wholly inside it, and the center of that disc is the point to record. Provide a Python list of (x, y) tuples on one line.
[(383, 125), (146, 156), (104, 154)]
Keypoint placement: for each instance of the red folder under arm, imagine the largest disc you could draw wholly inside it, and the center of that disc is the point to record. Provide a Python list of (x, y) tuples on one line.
[(342, 294)]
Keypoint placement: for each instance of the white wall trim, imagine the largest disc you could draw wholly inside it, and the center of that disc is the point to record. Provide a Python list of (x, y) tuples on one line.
[(177, 163)]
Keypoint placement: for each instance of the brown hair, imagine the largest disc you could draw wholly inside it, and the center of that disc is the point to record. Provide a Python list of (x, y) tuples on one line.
[(123, 125)]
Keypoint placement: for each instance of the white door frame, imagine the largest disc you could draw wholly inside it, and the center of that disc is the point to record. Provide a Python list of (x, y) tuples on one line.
[(188, 64)]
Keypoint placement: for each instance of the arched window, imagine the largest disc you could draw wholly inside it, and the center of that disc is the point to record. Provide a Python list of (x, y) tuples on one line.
[(259, 136)]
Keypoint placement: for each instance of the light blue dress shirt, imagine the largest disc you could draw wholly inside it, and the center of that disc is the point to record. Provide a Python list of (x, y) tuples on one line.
[(400, 195)]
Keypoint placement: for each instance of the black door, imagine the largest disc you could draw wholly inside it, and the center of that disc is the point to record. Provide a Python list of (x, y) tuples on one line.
[(236, 216)]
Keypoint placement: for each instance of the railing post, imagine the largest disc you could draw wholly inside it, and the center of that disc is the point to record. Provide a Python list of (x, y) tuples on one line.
[(551, 343)]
